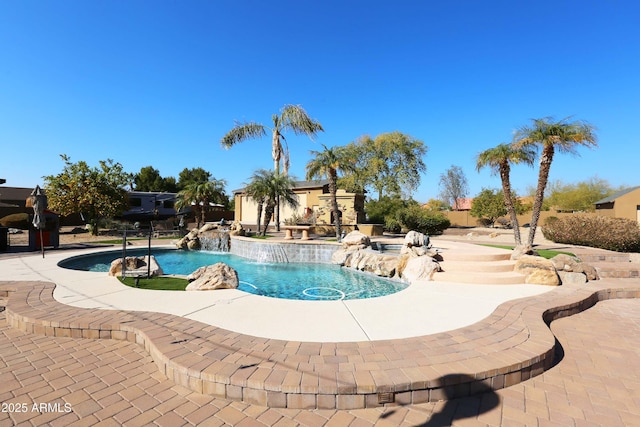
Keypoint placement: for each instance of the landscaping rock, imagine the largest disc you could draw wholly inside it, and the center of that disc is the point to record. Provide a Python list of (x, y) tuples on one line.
[(522, 250), (356, 238), (568, 277), (588, 270), (236, 229), (537, 270), (211, 277), (135, 265), (419, 268), (415, 238), (563, 262)]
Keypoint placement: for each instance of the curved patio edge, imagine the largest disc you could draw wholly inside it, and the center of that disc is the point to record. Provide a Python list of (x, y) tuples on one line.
[(513, 344)]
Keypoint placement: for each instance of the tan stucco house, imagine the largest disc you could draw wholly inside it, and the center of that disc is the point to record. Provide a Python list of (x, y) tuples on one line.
[(314, 200), (623, 204)]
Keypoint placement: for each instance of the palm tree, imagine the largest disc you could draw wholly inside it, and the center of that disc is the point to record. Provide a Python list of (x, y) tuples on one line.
[(499, 159), (257, 190), (200, 195), (292, 118), (270, 187), (550, 135), (327, 163)]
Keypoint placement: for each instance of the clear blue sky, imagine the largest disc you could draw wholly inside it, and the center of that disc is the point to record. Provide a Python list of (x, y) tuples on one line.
[(160, 82)]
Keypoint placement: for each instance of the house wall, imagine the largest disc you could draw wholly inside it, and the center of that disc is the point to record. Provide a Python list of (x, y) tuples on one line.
[(351, 204), (246, 210), (626, 206)]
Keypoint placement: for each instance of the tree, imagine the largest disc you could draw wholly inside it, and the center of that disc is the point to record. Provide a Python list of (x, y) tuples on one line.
[(390, 164), (580, 196), (292, 118), (200, 197), (94, 193), (549, 135), (488, 205), (192, 176), (257, 190), (436, 205), (499, 159), (327, 164), (270, 187), (453, 186), (384, 210), (149, 179)]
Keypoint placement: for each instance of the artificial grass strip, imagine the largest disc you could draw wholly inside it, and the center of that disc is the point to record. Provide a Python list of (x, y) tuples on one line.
[(545, 253), (162, 283)]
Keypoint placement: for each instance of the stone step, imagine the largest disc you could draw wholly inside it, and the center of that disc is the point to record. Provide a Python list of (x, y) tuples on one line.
[(476, 256), (604, 257), (482, 278), (477, 266), (617, 270)]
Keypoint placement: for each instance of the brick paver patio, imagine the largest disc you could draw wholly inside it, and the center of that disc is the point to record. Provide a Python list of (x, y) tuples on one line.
[(116, 382), (566, 357)]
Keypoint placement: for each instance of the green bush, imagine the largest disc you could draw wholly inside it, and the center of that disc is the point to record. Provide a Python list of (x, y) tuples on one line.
[(419, 219), (378, 211), (18, 220), (615, 234)]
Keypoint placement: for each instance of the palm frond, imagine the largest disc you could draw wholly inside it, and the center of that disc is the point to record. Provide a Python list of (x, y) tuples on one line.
[(296, 119), (243, 131)]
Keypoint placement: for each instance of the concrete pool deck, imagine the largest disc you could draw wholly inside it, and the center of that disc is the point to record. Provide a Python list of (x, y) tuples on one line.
[(442, 307), (511, 345)]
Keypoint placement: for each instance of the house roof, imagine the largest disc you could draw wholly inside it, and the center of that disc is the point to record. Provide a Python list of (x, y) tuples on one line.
[(299, 185), (617, 195), (464, 203), (14, 194)]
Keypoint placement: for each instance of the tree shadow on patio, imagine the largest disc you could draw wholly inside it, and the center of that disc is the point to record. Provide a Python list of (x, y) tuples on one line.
[(464, 397)]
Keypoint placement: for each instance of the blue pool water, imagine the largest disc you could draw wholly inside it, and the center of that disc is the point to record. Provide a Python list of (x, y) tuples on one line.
[(288, 280)]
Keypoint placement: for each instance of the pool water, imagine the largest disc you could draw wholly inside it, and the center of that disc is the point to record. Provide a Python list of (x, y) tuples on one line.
[(287, 280)]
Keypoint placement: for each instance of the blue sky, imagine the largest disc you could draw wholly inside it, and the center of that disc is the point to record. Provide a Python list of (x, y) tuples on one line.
[(158, 83)]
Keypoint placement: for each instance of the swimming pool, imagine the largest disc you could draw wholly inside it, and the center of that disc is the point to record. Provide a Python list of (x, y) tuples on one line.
[(286, 280)]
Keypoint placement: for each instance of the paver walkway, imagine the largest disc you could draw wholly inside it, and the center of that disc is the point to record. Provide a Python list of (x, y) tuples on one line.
[(108, 382)]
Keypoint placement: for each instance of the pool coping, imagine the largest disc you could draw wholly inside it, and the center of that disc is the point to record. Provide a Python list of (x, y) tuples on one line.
[(513, 344)]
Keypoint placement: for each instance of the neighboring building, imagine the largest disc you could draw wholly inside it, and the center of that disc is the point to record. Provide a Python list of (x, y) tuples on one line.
[(13, 200), (313, 200), (150, 205), (623, 204), (463, 204)]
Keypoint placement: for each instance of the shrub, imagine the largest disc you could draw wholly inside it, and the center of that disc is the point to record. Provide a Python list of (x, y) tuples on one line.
[(419, 219), (378, 211), (17, 220), (615, 234)]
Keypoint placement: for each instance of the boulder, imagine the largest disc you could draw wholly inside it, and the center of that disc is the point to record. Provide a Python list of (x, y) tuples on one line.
[(208, 227), (137, 265), (537, 270), (340, 256), (568, 277), (415, 238), (386, 266), (522, 250), (194, 244), (210, 277), (563, 262), (588, 270), (236, 229), (419, 268), (356, 238)]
